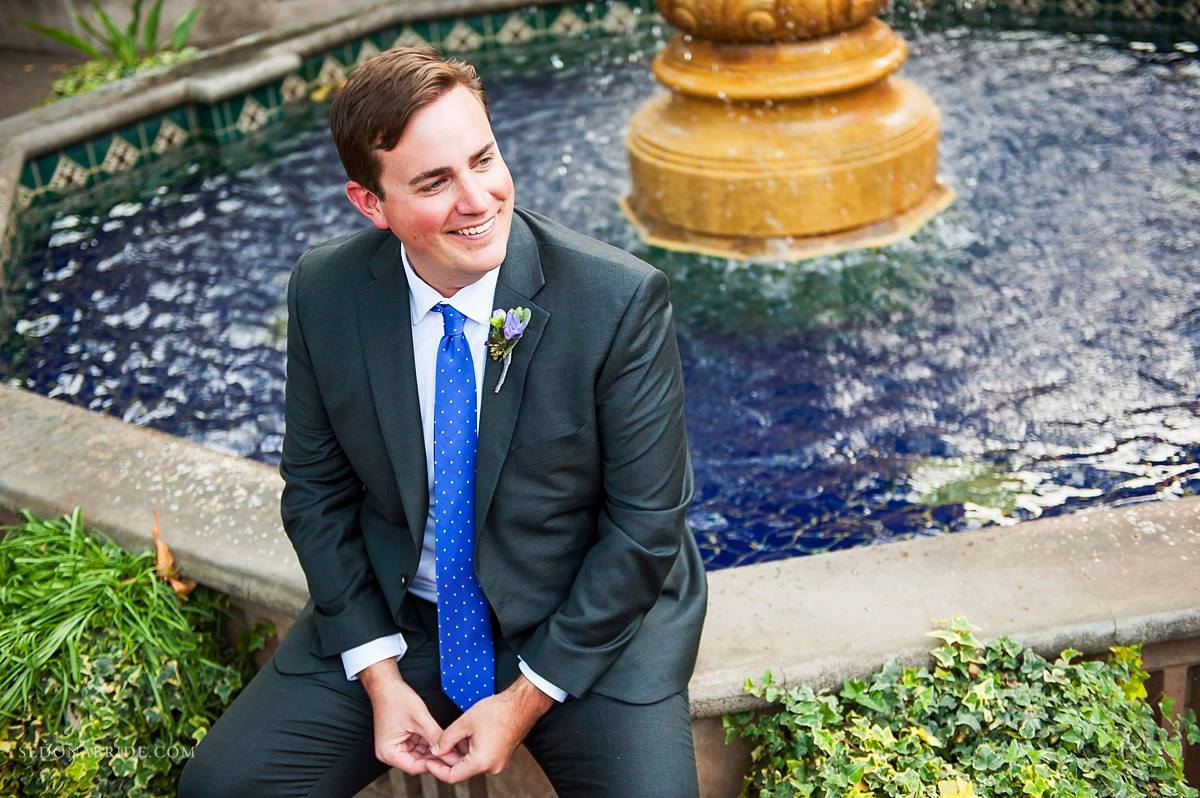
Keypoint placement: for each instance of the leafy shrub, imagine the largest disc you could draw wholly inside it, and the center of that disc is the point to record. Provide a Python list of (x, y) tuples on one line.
[(116, 52), (994, 720), (94, 74), (107, 678)]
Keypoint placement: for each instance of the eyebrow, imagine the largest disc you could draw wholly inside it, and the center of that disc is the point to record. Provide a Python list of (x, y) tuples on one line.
[(445, 170)]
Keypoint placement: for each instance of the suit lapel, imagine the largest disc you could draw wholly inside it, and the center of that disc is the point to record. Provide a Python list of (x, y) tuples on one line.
[(385, 332), (519, 281)]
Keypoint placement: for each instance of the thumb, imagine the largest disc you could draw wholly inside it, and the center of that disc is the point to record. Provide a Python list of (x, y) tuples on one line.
[(426, 726), (458, 731)]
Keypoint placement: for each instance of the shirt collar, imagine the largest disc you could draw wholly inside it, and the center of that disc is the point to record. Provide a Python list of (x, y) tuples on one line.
[(473, 301)]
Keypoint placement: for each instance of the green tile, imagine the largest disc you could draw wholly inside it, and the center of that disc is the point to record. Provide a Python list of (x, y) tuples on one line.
[(530, 16), (148, 132), (426, 29), (183, 116), (478, 23), (267, 96), (435, 30), (44, 168), (311, 67), (383, 39), (595, 13), (578, 10), (78, 153), (29, 176), (490, 24), (224, 116), (98, 149), (535, 18), (232, 108), (346, 53), (208, 117), (132, 134), (373, 42), (448, 27)]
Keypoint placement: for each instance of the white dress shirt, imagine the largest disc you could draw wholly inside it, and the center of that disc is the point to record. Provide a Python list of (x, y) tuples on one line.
[(475, 302)]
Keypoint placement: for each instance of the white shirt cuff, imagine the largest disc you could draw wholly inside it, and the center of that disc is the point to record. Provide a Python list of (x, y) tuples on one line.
[(546, 687), (361, 657)]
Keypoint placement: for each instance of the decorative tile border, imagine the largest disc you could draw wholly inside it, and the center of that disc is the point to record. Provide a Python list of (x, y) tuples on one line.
[(54, 176)]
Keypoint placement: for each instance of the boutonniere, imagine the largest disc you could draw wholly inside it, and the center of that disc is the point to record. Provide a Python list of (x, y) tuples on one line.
[(507, 327)]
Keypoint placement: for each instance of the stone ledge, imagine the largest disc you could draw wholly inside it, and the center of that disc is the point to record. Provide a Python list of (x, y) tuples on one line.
[(1087, 580)]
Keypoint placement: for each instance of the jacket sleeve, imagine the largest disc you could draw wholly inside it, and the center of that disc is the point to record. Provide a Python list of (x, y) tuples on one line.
[(647, 481), (322, 496)]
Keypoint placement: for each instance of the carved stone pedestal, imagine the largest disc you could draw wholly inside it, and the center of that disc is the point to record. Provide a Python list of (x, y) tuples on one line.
[(783, 133)]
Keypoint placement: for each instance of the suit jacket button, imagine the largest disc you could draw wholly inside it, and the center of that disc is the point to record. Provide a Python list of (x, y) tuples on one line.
[(403, 579)]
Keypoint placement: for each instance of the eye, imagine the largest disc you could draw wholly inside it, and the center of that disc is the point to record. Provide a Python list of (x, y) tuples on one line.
[(429, 188), (486, 161)]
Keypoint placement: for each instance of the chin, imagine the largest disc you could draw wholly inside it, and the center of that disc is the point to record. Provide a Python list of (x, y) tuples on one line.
[(483, 267)]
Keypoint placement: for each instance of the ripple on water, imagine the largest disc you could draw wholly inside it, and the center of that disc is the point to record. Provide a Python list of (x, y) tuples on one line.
[(1033, 350)]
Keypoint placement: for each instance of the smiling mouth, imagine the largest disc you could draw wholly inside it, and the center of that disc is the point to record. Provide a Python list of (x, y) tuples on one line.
[(476, 231)]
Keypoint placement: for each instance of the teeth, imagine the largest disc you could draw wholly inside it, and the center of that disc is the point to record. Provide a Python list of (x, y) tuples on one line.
[(472, 231)]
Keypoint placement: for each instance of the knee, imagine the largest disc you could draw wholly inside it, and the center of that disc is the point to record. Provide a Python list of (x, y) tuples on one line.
[(191, 781), (206, 777)]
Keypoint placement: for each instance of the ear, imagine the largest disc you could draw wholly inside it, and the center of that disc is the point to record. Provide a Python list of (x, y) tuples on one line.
[(367, 203)]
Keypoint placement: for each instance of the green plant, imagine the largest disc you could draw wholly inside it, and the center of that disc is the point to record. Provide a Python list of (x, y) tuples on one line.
[(116, 52), (107, 677), (121, 45), (94, 74), (986, 720)]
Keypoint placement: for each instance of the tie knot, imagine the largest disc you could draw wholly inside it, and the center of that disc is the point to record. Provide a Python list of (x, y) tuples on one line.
[(452, 320)]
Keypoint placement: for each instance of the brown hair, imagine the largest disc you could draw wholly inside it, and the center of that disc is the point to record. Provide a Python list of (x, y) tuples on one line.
[(377, 102)]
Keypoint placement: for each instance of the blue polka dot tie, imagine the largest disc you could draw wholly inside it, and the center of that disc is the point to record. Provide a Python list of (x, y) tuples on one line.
[(464, 622)]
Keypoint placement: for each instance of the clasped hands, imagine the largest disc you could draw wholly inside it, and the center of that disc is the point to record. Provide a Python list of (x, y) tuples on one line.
[(482, 740)]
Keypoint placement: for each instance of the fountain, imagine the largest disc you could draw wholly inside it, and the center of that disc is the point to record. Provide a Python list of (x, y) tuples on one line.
[(784, 133)]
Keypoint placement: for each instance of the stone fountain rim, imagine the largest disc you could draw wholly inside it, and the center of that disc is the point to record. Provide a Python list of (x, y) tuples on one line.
[(1049, 583)]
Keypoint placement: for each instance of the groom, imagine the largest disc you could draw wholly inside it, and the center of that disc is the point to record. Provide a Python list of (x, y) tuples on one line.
[(490, 513)]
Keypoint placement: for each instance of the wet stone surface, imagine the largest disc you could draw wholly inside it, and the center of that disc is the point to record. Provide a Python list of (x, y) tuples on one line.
[(1031, 351)]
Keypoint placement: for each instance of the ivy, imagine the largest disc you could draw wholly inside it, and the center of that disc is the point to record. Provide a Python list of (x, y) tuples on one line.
[(108, 678), (982, 720)]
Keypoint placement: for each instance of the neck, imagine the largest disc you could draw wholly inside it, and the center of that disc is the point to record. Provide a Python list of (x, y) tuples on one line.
[(445, 289)]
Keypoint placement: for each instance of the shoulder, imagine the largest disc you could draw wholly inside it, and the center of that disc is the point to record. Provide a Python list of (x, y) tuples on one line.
[(342, 260), (576, 259)]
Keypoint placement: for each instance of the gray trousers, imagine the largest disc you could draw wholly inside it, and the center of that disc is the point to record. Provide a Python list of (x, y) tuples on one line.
[(311, 736)]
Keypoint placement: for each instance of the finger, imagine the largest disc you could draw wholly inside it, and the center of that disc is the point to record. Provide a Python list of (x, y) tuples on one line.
[(457, 733), (462, 771), (428, 728), (451, 757), (406, 762)]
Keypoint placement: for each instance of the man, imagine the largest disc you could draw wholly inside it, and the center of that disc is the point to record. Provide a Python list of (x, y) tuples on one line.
[(490, 516)]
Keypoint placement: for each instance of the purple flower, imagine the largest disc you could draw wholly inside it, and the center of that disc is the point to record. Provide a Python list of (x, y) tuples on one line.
[(506, 328), (514, 327)]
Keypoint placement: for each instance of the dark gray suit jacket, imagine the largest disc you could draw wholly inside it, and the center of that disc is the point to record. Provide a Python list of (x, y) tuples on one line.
[(583, 475)]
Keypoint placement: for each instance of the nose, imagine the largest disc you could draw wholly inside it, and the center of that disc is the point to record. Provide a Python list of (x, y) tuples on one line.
[(472, 196)]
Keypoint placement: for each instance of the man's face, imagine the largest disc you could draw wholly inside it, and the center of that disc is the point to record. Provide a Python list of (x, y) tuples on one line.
[(449, 193)]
